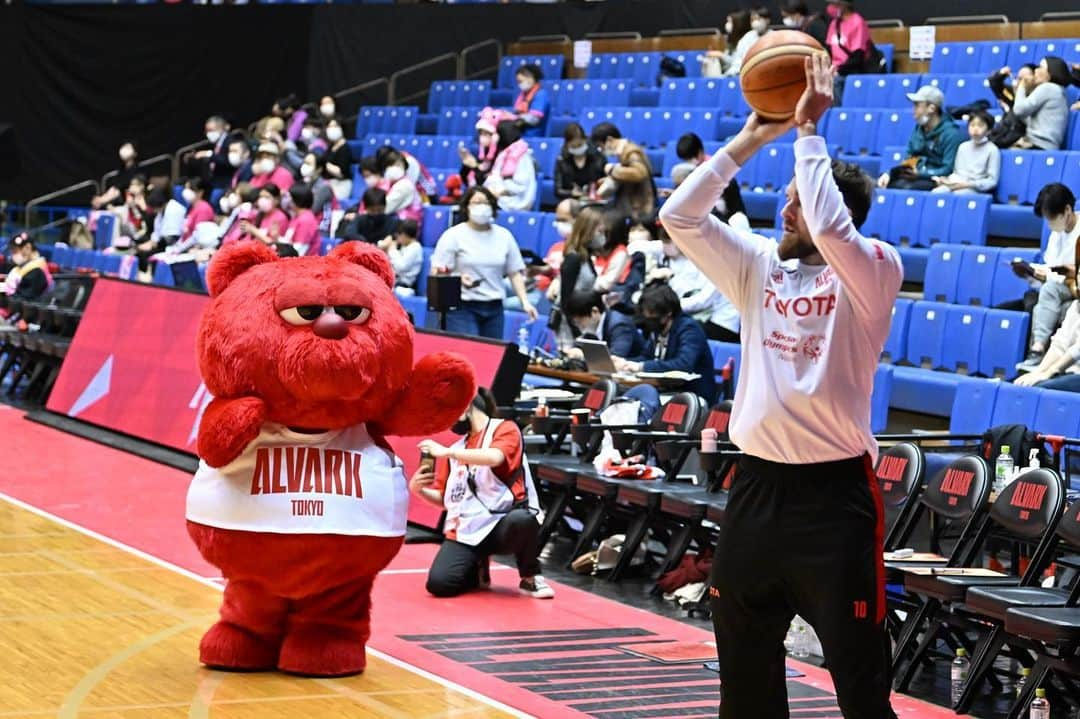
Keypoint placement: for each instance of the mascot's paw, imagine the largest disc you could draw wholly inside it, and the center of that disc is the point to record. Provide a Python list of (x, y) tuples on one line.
[(315, 650), (228, 647)]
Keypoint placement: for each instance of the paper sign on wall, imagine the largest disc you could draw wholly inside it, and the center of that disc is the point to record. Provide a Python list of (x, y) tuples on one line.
[(582, 53), (921, 42)]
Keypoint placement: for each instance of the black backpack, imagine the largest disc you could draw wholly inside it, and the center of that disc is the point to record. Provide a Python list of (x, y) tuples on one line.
[(1020, 440)]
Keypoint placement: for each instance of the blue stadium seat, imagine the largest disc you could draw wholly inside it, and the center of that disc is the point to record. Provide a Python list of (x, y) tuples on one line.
[(1015, 405), (436, 221), (524, 226), (995, 55), (62, 256), (550, 65), (967, 58), (545, 152), (1072, 134), (1006, 285), (641, 67), (1058, 413), (691, 92), (1046, 167), (839, 128), (945, 58), (1068, 49), (862, 90), (458, 93), (731, 102), (894, 129), (417, 307), (895, 349), (110, 264), (879, 398), (907, 204), (163, 274), (1004, 339), (864, 132), (926, 334), (548, 234), (1020, 52), (976, 280), (973, 406), (877, 221), (106, 227), (458, 121), (965, 89), (515, 320), (82, 259), (425, 271), (970, 219), (386, 119), (1015, 175), (963, 334), (934, 221), (722, 351), (942, 273)]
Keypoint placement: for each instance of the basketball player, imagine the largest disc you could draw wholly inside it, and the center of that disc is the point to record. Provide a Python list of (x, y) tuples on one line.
[(804, 523)]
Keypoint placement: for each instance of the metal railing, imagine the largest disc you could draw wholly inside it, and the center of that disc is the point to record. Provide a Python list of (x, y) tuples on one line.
[(886, 22), (345, 98), (966, 19), (544, 38), (463, 72), (70, 189), (613, 35), (690, 32), (179, 154), (155, 160), (393, 97), (1061, 15)]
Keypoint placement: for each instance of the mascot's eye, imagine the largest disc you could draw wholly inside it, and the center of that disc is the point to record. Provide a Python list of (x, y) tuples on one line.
[(302, 315), (353, 313)]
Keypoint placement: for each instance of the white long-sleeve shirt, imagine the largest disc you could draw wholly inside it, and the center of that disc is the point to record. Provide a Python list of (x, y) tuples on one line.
[(811, 334), (699, 297)]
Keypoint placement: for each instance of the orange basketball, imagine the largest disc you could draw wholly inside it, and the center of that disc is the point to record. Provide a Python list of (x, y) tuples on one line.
[(773, 75)]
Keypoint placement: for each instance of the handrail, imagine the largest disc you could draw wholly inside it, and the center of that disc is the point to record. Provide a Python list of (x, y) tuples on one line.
[(690, 32), (361, 87), (391, 91), (93, 184), (886, 22), (1060, 15), (966, 19), (142, 163), (558, 37), (463, 57), (628, 35), (181, 152), (349, 115)]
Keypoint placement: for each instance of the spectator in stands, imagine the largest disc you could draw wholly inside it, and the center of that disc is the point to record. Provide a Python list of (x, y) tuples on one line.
[(691, 153), (565, 213), (610, 257), (643, 237), (577, 273), (579, 167), (593, 320), (311, 141), (239, 159), (1057, 273), (629, 181), (630, 250), (406, 256), (797, 16), (847, 37), (1004, 92), (30, 277), (323, 200), (1060, 366), (168, 226), (483, 483), (760, 19), (195, 194), (1041, 103), (267, 170), (129, 167), (931, 149), (373, 223), (369, 171), (512, 179), (482, 253), (270, 221), (674, 342), (212, 164), (303, 228), (402, 197), (978, 161), (740, 38), (475, 167), (338, 169), (135, 216), (531, 107), (698, 297), (327, 107)]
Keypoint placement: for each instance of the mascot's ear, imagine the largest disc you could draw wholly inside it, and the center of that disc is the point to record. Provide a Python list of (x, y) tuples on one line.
[(367, 257), (234, 260)]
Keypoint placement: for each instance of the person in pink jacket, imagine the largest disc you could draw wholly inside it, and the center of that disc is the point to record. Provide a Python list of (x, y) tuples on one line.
[(199, 209), (271, 222), (303, 231), (267, 168)]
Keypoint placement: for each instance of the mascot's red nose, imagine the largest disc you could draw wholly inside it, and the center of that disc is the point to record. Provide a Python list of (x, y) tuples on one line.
[(331, 326)]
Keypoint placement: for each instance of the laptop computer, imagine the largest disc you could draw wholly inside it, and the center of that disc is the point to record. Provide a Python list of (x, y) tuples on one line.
[(597, 356)]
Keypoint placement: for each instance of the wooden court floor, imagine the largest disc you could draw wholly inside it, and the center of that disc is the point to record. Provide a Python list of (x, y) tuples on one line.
[(90, 630)]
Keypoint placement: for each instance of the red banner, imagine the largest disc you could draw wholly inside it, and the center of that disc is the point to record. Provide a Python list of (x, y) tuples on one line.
[(131, 368)]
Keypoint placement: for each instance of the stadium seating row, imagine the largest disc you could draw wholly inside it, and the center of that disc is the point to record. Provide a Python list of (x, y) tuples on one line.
[(987, 56), (971, 275)]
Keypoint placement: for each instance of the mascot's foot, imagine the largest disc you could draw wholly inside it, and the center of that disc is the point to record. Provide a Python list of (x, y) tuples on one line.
[(322, 651), (230, 648)]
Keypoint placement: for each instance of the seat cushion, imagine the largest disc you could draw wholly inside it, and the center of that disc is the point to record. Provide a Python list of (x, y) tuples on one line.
[(995, 601), (1046, 624), (951, 588)]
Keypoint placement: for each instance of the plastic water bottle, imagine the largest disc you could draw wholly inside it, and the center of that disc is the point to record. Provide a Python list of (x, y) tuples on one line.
[(1025, 673), (959, 674), (523, 340), (801, 649), (1003, 469), (1040, 708)]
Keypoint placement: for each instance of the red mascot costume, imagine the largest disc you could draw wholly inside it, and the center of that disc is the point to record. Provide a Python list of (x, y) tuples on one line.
[(298, 499)]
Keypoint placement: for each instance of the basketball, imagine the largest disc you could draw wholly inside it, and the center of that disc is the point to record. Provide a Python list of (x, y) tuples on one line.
[(773, 76)]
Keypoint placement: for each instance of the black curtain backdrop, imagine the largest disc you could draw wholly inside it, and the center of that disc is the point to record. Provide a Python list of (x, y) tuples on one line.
[(79, 80)]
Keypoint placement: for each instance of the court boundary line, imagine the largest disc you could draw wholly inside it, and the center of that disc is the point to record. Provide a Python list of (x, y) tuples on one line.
[(206, 581)]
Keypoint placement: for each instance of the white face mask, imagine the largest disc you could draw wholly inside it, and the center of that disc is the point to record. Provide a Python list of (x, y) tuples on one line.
[(480, 214), (265, 166), (1057, 224), (371, 181), (236, 159), (394, 173), (213, 136), (308, 134), (327, 109), (790, 21), (760, 26), (265, 204), (729, 27), (525, 85), (597, 242), (563, 228), (923, 120), (188, 194), (578, 150), (307, 171), (126, 153), (227, 203), (333, 134)]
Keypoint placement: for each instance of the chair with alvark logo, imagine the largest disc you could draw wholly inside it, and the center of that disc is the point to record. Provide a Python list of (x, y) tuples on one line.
[(899, 473)]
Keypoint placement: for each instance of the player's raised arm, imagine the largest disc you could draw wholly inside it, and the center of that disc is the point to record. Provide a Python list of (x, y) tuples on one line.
[(870, 271), (723, 254)]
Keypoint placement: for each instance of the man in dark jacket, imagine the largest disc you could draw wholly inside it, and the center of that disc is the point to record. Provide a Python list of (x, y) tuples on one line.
[(931, 149), (673, 342), (587, 312)]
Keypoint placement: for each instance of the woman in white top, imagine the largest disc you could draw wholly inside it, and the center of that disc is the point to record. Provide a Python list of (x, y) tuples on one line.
[(513, 173), (740, 36), (402, 197), (698, 296), (483, 254)]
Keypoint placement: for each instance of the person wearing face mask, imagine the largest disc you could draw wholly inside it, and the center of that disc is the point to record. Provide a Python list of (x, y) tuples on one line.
[(240, 162), (609, 254), (323, 203), (674, 342), (483, 483), (199, 211), (406, 257), (698, 297), (270, 221), (531, 107), (1040, 102), (629, 181), (931, 149), (266, 169), (848, 32), (402, 197), (513, 172), (760, 19), (579, 167), (370, 172), (212, 164), (303, 229), (29, 278), (475, 167), (239, 205), (338, 161), (373, 224), (135, 217), (1055, 276), (327, 108), (482, 253), (577, 273), (978, 161), (129, 167), (740, 37), (797, 16), (594, 320), (565, 213)]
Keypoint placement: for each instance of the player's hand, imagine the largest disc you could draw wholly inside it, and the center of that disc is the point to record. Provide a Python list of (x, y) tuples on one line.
[(765, 131), (818, 96)]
